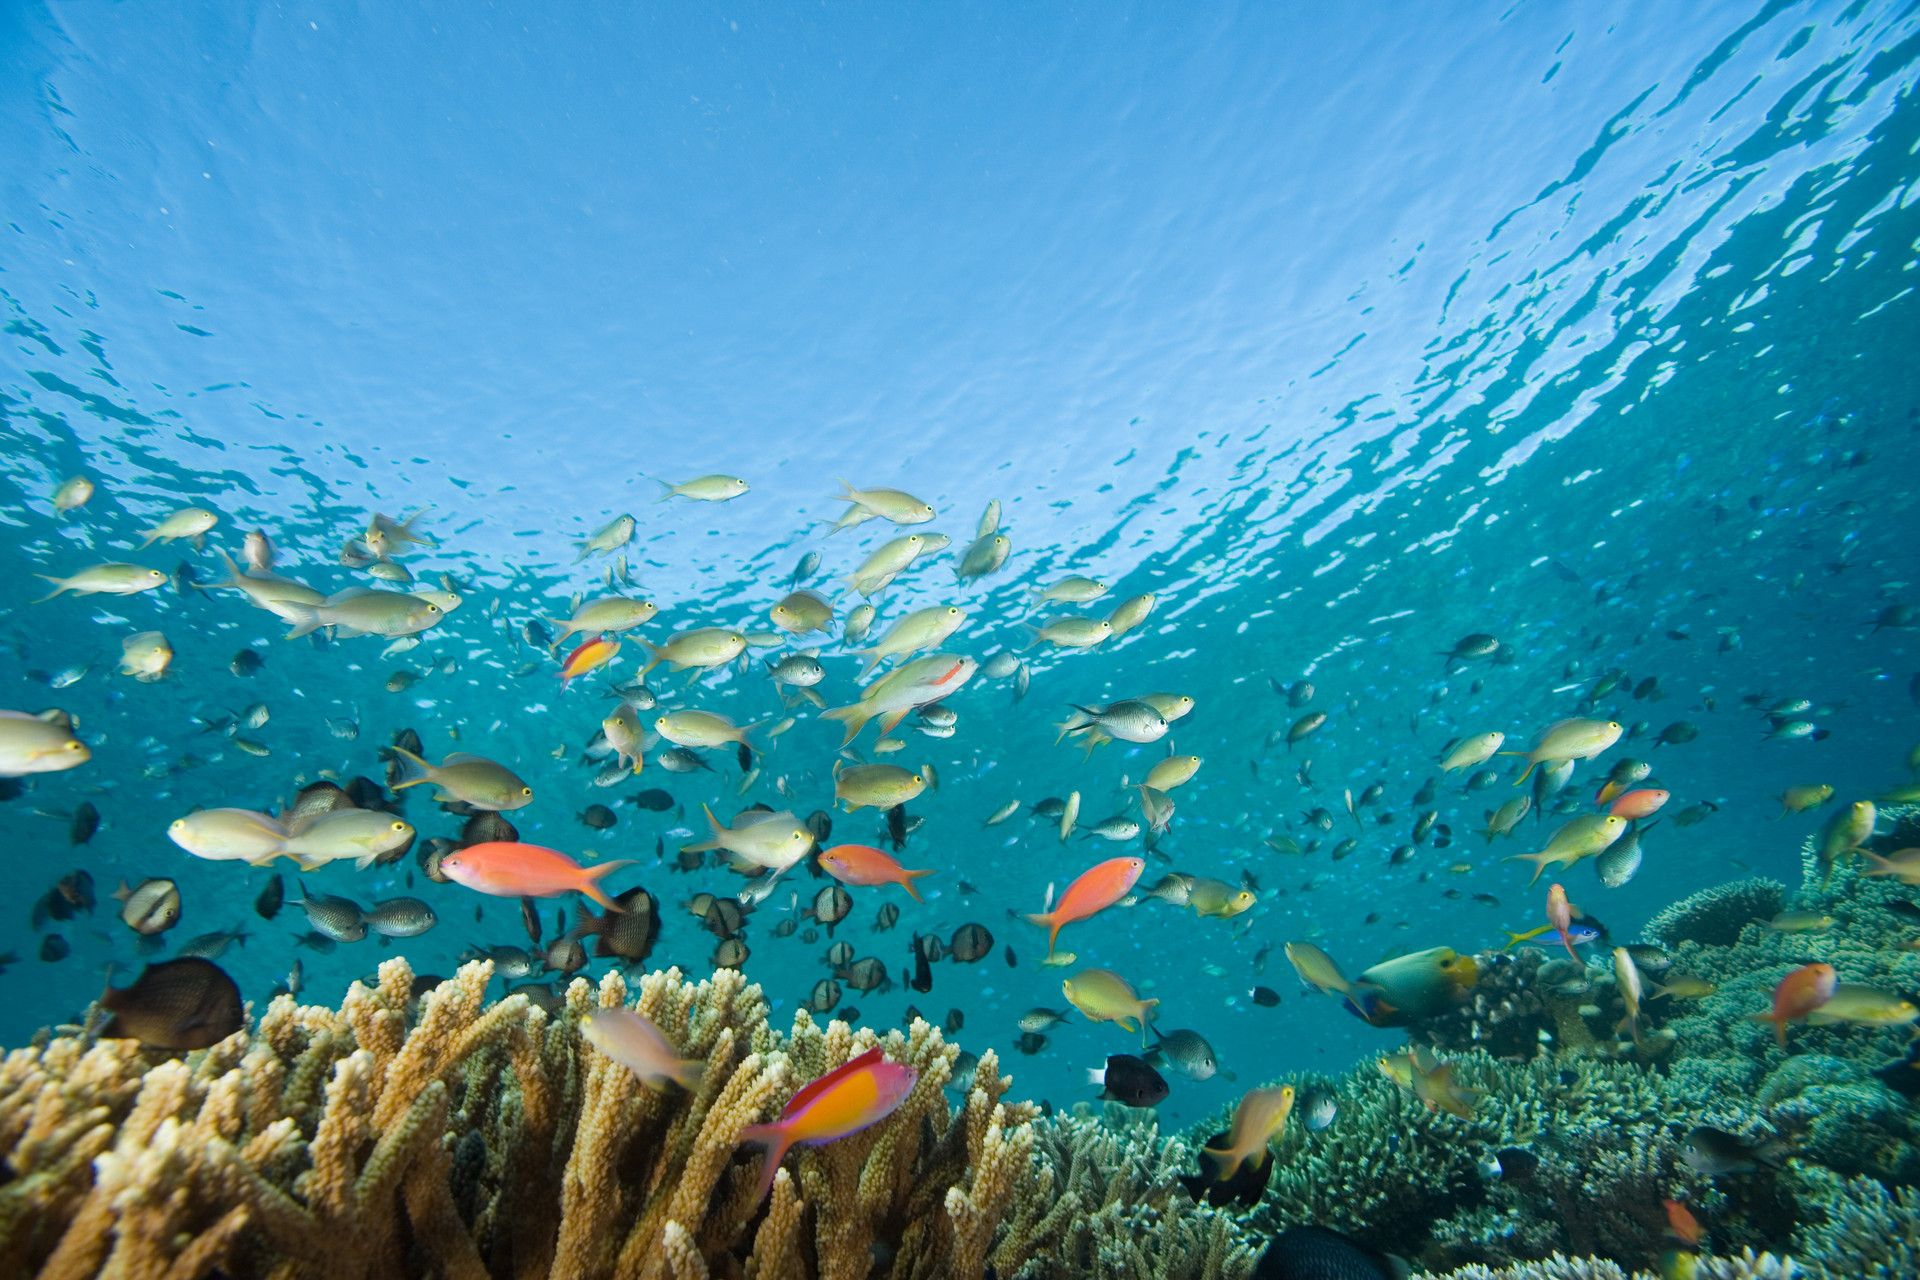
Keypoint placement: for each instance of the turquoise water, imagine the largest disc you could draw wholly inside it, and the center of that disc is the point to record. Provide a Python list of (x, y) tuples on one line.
[(1580, 326)]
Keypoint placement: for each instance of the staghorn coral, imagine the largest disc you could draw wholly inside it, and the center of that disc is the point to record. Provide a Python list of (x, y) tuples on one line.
[(1867, 1232), (1715, 915), (1103, 1201), (1746, 1265), (485, 1141)]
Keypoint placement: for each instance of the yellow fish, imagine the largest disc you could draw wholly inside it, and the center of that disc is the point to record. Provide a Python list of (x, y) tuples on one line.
[(1104, 996), (1585, 836)]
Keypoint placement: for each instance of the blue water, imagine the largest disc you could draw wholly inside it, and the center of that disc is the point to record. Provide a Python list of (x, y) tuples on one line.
[(1337, 328)]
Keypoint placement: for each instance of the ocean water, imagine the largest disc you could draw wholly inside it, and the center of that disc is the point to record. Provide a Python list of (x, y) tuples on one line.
[(1345, 332)]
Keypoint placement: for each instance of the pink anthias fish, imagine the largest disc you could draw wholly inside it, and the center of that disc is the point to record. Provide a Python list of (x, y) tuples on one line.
[(837, 1105)]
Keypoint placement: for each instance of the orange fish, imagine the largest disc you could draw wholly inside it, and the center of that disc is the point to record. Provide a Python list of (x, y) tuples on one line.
[(838, 1104), (1638, 804), (1560, 913), (508, 870), (1799, 994), (1095, 891), (1685, 1227), (862, 865), (592, 654)]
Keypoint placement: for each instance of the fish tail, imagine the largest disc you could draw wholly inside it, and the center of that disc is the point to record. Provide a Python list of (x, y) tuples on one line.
[(1529, 769), (664, 485), (590, 882), (891, 720), (655, 655), (1780, 1031), (854, 716), (872, 659), (907, 883), (60, 584), (775, 1139), (409, 769), (304, 620)]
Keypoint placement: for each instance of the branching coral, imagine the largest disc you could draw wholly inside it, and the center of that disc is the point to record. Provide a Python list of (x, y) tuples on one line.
[(1715, 915), (1103, 1201), (487, 1141)]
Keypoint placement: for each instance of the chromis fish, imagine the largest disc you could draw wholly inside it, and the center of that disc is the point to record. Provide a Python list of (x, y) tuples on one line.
[(1844, 833), (1318, 970), (105, 579), (924, 680), (188, 522), (1868, 1006), (1129, 1080), (1501, 821), (1801, 799), (1104, 996), (1472, 751), (1574, 739), (1583, 837), (463, 776), (1093, 891), (844, 1101), (610, 614), (634, 1042), (702, 648), (878, 786), (1186, 1052), (512, 870), (607, 539), (889, 504), (704, 489)]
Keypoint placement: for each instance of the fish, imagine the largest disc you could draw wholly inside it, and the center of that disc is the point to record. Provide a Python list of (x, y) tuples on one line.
[(365, 835), (984, 556), (798, 670), (73, 493), (1902, 864), (400, 918), (1683, 987), (696, 728), (703, 648), (1798, 994), (1635, 805), (1091, 892), (145, 656), (1864, 1005), (1072, 589), (335, 918), (1583, 837), (1129, 614), (105, 579), (1802, 798), (188, 522), (703, 489), (607, 539), (862, 865), (1469, 648), (1104, 996), (970, 943), (1305, 725), (1041, 1019), (1132, 720), (1564, 740), (1129, 1080), (1560, 915), (1187, 1051), (1844, 832), (923, 680), (1627, 983), (42, 743), (210, 946), (230, 834), (1472, 751), (588, 657), (633, 1041), (1318, 970), (1258, 1118), (1001, 814), (1318, 1107), (1801, 922), (514, 870), (151, 907), (1715, 1152), (1620, 861), (1070, 633), (1218, 899), (878, 786), (471, 779), (182, 1005), (888, 504)]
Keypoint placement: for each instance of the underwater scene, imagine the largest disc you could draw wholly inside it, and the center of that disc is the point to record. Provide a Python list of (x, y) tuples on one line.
[(832, 641)]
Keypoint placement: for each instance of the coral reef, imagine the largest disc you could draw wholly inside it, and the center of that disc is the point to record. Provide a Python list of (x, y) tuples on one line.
[(1506, 1015), (1869, 1232), (1102, 1200), (1715, 916), (487, 1141), (1746, 1265)]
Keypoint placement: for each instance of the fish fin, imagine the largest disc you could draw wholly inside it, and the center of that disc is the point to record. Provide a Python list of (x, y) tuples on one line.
[(907, 883), (362, 862), (1097, 1076), (590, 877), (891, 720), (410, 769), (60, 584), (304, 620), (774, 1137)]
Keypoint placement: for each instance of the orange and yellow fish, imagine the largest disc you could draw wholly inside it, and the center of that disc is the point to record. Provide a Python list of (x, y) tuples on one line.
[(837, 1105), (588, 657), (862, 865), (1097, 889), (509, 870), (1799, 994), (1560, 914), (1638, 804)]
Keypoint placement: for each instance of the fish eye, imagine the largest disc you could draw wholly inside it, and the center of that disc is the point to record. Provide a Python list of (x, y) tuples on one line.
[(526, 791), (433, 608)]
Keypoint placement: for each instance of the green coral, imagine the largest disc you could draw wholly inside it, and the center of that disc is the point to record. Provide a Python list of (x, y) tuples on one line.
[(1716, 915), (1868, 1231)]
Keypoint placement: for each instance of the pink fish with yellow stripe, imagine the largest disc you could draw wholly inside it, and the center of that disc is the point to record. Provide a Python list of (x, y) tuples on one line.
[(588, 657), (837, 1105)]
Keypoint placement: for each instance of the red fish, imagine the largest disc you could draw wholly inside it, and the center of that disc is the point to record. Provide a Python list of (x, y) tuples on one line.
[(862, 865), (1638, 804), (1095, 891), (1560, 914), (509, 870), (837, 1105), (592, 654), (1685, 1227), (1799, 994)]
